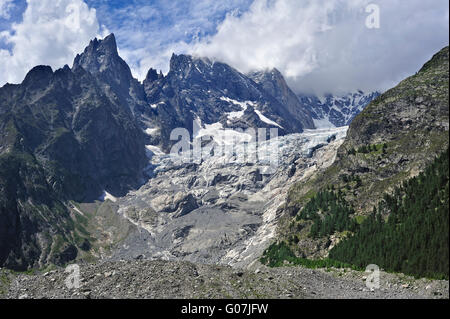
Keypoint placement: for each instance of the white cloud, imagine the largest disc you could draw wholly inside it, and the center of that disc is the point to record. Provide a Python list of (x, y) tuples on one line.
[(321, 46), (51, 33), (324, 46), (5, 7), (271, 34)]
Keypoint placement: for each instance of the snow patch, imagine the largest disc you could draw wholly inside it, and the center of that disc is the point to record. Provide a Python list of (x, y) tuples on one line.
[(154, 106), (153, 150), (267, 120), (237, 114), (244, 105), (106, 196), (223, 136), (220, 135), (151, 131)]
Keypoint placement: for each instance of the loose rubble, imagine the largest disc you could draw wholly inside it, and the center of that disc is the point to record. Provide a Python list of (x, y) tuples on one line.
[(175, 280)]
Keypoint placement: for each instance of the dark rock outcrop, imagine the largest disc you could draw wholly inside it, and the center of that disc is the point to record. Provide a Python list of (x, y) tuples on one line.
[(274, 83), (64, 135)]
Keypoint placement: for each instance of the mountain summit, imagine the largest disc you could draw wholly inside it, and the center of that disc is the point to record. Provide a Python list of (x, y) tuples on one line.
[(101, 59), (274, 83), (213, 92), (100, 55)]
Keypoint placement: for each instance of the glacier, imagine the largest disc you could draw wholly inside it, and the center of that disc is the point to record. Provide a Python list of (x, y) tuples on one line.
[(220, 210)]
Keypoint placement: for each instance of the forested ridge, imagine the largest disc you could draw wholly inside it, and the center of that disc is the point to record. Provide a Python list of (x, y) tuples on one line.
[(329, 212), (415, 237), (408, 231)]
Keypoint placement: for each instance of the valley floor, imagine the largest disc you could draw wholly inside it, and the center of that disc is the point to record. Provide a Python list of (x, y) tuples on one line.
[(173, 280)]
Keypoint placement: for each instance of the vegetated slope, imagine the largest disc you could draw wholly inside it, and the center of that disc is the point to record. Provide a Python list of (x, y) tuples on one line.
[(415, 238), (396, 137), (411, 119), (407, 231)]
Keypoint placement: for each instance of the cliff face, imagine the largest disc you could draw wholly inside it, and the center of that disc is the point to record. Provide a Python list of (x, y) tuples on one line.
[(274, 83), (81, 135), (64, 135)]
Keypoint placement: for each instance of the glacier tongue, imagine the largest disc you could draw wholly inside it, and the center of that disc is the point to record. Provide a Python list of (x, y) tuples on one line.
[(220, 210)]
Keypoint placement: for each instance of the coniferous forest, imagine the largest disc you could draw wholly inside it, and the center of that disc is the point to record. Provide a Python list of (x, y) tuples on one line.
[(408, 231), (335, 214), (414, 239)]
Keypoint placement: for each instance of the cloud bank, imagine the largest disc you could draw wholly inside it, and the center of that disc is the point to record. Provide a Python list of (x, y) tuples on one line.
[(321, 46), (50, 33), (325, 46)]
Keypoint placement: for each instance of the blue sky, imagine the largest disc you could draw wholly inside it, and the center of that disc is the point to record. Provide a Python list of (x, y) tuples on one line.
[(10, 15), (321, 46), (198, 17), (177, 20)]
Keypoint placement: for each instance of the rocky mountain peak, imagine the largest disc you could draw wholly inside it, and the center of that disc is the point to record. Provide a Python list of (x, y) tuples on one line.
[(273, 82), (186, 65), (152, 75), (98, 55), (177, 60), (109, 43), (101, 58), (40, 74), (273, 73)]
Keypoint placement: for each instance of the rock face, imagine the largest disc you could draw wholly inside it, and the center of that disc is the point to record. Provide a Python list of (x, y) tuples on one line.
[(411, 119), (198, 89), (274, 83), (408, 126), (329, 110), (64, 135), (102, 60)]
